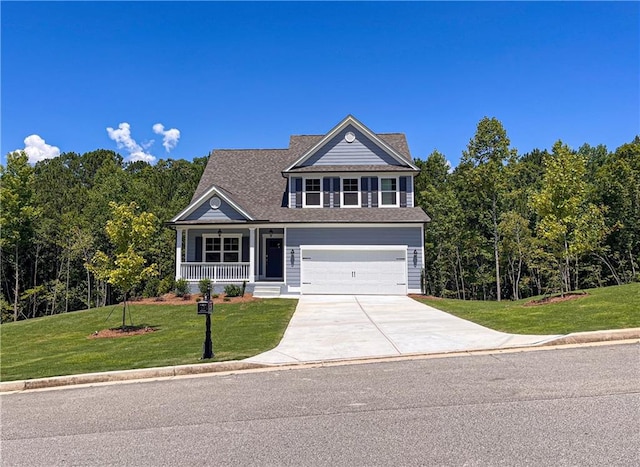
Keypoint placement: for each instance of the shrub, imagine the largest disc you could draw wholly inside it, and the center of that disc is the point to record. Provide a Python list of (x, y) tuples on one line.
[(205, 286), (166, 285), (232, 290), (151, 288), (182, 288)]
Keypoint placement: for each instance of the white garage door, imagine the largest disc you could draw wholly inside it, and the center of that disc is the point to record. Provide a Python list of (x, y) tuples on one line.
[(354, 271)]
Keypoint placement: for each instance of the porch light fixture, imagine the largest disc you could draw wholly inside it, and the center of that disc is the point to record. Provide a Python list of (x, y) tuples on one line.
[(415, 256), (270, 232), (219, 233), (293, 256)]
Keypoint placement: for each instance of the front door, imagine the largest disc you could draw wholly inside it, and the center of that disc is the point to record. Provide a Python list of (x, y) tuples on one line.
[(274, 257)]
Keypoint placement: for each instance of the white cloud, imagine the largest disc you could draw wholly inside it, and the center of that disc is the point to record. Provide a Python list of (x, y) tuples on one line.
[(37, 149), (450, 166), (169, 137), (122, 136)]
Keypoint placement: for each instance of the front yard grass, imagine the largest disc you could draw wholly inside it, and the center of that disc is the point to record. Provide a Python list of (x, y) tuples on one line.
[(603, 308), (60, 345)]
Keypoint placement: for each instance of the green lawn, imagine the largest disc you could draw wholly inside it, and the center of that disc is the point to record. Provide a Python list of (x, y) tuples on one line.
[(60, 345), (604, 308)]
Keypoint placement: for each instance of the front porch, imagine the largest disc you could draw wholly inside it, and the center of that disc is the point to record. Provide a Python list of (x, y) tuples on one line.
[(230, 254), (217, 272)]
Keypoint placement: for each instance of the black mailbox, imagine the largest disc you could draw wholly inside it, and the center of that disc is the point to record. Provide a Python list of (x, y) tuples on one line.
[(205, 307)]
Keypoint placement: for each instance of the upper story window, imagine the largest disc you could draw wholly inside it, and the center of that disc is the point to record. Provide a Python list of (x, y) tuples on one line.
[(350, 192), (312, 192), (225, 249), (388, 192)]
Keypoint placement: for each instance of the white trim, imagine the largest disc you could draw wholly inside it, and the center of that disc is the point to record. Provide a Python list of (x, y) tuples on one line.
[(304, 192), (351, 120), (380, 205), (355, 247), (252, 250), (352, 225), (178, 252), (264, 254), (402, 249), (285, 256), (210, 192), (358, 192), (222, 236)]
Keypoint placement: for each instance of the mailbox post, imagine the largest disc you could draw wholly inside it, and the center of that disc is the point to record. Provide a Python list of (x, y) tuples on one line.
[(205, 307)]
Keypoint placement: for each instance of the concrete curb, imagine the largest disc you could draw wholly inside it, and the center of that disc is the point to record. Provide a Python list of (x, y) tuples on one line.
[(595, 336), (218, 367), (126, 375)]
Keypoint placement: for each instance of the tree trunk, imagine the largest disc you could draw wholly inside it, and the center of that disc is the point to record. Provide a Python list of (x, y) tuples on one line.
[(496, 239), (88, 290), (608, 264), (566, 278), (464, 296), (66, 295), (16, 288), (35, 281)]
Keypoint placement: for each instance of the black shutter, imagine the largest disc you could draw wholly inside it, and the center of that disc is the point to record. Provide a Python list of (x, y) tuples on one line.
[(198, 249), (298, 189), (336, 192), (374, 192), (245, 249), (326, 192), (403, 192), (364, 188)]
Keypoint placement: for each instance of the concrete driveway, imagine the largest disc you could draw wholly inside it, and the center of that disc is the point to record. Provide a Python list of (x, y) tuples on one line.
[(339, 327)]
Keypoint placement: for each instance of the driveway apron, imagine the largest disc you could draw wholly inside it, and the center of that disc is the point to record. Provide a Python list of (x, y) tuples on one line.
[(342, 327)]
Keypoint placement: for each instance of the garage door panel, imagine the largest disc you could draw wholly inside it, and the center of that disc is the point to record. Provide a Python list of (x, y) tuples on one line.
[(354, 272)]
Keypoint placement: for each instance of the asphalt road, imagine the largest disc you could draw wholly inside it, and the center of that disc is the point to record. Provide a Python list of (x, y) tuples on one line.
[(577, 406)]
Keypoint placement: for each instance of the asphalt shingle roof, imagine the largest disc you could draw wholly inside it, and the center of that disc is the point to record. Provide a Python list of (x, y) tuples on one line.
[(253, 179)]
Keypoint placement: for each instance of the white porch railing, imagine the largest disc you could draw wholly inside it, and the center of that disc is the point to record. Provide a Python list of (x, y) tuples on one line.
[(217, 272)]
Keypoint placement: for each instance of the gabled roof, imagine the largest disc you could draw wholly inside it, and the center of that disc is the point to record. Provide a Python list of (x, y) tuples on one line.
[(252, 181), (350, 120), (220, 192)]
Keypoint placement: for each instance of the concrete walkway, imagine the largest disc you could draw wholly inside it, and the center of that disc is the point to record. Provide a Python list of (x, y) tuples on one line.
[(339, 327)]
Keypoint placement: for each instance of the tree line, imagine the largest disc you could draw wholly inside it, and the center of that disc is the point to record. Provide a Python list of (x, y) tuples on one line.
[(509, 225), (53, 217), (504, 225)]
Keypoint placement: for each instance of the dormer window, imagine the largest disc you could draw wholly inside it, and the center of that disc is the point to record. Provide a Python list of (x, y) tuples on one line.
[(350, 192), (312, 192)]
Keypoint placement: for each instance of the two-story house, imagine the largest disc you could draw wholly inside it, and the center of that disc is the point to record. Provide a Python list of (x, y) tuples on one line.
[(331, 214)]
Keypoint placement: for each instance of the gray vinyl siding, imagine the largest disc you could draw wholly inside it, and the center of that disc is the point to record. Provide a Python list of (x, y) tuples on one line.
[(356, 236), (360, 152), (206, 213)]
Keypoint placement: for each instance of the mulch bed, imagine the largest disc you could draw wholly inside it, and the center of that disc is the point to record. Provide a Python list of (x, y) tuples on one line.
[(119, 332), (166, 299), (557, 298), (172, 299)]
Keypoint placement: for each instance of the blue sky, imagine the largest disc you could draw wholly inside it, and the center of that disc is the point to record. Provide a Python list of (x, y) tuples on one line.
[(248, 75)]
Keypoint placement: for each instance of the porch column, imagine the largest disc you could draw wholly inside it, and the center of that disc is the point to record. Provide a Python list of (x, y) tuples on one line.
[(178, 252), (252, 255)]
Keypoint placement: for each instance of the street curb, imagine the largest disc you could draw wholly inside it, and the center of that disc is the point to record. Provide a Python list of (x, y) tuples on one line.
[(125, 375), (231, 366), (595, 336)]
